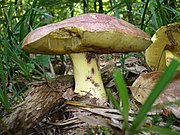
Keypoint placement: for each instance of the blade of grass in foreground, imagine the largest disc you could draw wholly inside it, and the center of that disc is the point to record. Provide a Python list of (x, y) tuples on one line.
[(123, 94), (165, 78)]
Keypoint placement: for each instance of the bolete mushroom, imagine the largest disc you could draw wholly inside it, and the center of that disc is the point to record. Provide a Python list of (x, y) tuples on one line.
[(82, 37), (165, 46)]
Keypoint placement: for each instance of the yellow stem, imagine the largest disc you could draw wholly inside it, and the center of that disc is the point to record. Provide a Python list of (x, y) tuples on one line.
[(87, 76)]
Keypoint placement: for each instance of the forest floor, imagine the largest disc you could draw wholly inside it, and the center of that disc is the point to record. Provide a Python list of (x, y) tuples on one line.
[(78, 117)]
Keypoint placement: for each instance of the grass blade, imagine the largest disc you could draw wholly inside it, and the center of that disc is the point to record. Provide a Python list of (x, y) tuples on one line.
[(116, 12), (113, 100), (144, 14), (3, 90), (123, 94)]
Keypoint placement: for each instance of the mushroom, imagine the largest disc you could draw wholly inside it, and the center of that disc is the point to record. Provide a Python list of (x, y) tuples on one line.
[(82, 37), (165, 46)]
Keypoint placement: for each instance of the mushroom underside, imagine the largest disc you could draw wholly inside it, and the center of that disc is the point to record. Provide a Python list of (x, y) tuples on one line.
[(71, 40)]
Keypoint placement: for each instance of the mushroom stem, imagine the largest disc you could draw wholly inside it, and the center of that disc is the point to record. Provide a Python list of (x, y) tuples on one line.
[(87, 76)]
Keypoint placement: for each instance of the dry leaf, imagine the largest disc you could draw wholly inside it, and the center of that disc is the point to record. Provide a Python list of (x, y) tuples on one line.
[(165, 40), (144, 84)]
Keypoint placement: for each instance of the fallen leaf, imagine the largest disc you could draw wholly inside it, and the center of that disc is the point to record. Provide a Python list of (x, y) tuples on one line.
[(144, 84)]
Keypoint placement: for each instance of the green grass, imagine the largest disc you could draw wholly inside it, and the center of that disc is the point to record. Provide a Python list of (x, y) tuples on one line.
[(15, 64), (123, 93), (3, 89)]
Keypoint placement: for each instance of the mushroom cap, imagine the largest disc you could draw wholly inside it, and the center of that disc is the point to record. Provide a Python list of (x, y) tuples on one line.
[(92, 32), (165, 46)]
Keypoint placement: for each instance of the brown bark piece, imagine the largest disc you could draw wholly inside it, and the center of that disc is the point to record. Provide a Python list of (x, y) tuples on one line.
[(40, 101)]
